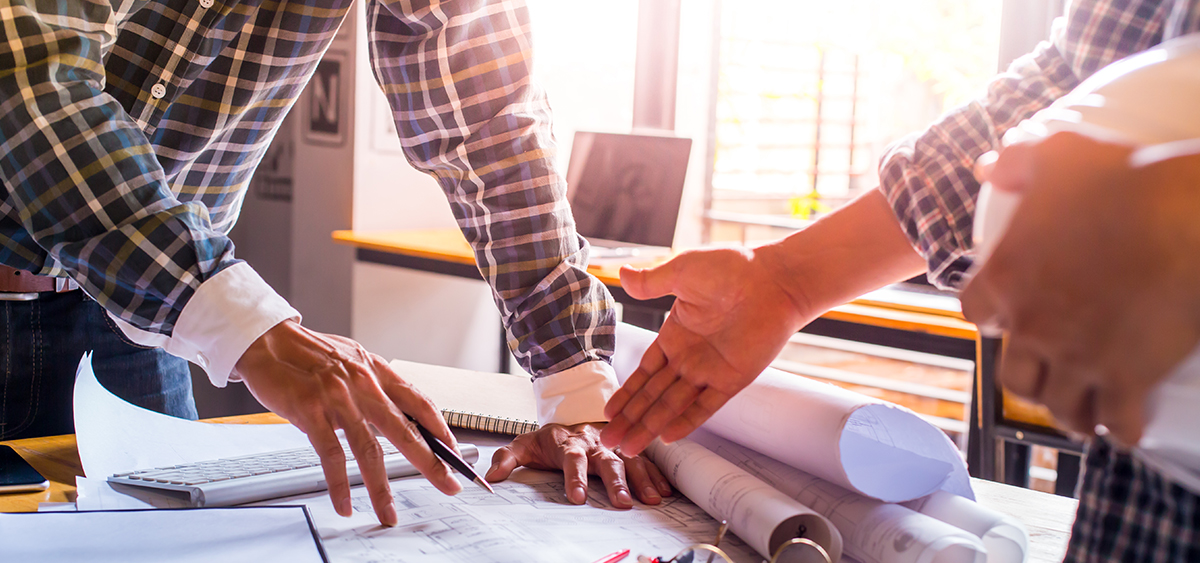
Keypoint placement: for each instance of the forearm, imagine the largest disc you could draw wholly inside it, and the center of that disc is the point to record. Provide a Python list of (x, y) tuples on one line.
[(493, 155), (856, 249)]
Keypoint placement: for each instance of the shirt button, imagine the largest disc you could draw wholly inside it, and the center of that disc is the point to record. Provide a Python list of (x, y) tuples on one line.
[(202, 360), (206, 4), (158, 90)]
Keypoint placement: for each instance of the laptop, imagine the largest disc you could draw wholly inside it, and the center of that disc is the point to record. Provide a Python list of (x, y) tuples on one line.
[(625, 191)]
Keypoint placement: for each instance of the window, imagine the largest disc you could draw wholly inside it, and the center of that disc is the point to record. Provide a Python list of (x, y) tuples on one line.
[(808, 94)]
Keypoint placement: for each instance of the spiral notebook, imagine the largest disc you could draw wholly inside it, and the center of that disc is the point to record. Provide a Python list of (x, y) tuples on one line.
[(492, 402)]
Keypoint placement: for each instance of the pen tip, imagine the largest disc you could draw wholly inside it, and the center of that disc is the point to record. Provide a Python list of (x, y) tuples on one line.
[(479, 481)]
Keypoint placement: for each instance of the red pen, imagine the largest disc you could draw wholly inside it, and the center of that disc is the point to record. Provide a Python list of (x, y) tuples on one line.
[(613, 557)]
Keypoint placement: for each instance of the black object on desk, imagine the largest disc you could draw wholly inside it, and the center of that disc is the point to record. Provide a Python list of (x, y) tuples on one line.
[(450, 456)]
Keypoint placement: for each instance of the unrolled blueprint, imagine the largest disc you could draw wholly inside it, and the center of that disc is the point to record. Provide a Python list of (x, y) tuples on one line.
[(528, 520)]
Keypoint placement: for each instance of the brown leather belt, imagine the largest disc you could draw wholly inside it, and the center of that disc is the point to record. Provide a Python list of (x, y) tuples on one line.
[(13, 280)]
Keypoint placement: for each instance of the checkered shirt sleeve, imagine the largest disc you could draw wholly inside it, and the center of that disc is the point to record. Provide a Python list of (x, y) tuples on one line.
[(458, 79), (928, 177)]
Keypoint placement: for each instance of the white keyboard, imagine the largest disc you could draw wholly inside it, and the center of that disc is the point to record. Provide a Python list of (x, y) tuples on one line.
[(238, 480)]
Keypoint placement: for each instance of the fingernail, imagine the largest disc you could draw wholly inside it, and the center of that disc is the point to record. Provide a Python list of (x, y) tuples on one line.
[(664, 490), (623, 498), (651, 493), (389, 515), (578, 495), (490, 473), (345, 508)]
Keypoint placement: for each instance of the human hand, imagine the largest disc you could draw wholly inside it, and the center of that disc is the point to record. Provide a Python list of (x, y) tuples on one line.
[(731, 317), (1095, 280), (322, 382), (577, 451)]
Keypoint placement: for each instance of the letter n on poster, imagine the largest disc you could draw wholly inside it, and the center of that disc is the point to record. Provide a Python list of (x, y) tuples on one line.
[(326, 101)]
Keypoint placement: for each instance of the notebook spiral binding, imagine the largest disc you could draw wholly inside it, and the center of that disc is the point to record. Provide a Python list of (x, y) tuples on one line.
[(488, 423)]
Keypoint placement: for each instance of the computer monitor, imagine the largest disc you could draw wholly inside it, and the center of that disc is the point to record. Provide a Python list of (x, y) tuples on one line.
[(627, 188)]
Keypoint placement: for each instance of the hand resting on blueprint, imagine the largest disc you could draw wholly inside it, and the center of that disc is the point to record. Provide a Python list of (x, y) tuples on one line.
[(735, 309), (323, 382), (577, 451)]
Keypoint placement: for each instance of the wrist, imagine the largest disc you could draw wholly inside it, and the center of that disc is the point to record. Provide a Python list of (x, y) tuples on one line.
[(790, 272)]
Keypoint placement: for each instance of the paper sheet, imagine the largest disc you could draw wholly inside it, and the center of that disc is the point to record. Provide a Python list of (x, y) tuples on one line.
[(115, 436), (873, 531), (528, 520), (251, 535), (858, 442), (759, 514)]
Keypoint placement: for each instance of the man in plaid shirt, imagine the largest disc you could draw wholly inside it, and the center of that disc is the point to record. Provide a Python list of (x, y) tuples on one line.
[(130, 130), (1108, 257)]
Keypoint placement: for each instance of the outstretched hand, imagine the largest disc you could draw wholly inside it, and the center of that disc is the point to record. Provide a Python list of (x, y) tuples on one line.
[(576, 450), (323, 382), (730, 319)]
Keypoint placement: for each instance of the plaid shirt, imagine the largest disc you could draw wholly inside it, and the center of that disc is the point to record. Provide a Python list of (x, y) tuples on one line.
[(1127, 511), (129, 133)]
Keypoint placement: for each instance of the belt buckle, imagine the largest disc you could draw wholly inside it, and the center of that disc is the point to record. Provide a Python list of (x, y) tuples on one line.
[(7, 296)]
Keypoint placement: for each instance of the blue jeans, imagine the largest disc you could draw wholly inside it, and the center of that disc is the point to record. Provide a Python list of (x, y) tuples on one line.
[(41, 343)]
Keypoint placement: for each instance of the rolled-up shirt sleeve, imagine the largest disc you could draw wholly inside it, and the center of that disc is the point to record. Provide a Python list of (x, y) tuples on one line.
[(928, 177)]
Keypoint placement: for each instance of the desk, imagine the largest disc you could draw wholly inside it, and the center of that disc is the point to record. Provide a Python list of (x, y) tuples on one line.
[(1048, 517)]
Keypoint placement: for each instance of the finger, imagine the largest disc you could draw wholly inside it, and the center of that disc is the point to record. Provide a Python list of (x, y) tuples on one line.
[(617, 430), (333, 465), (652, 361), (639, 480), (708, 402), (656, 475), (1021, 371), (574, 468), (404, 435), (1013, 167), (1122, 411), (649, 283), (984, 165), (369, 457), (633, 419), (621, 397), (1069, 397), (507, 459), (414, 403), (611, 470), (674, 401), (981, 305)]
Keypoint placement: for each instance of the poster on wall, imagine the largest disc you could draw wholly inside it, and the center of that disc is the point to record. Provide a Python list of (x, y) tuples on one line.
[(326, 102)]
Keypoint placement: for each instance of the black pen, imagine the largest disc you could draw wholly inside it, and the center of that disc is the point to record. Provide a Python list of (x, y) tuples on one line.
[(450, 456)]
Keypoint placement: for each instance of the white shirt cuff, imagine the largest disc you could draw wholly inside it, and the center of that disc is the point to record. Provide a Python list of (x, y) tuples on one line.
[(225, 315), (575, 395)]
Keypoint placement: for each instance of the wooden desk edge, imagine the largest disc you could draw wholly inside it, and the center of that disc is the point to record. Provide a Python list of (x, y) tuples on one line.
[(445, 244)]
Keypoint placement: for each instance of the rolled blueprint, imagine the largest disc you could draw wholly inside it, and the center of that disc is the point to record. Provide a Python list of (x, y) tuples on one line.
[(858, 442), (873, 531), (763, 517), (1006, 539)]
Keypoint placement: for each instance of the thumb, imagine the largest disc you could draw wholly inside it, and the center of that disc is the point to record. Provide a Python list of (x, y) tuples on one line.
[(649, 283), (504, 461), (1011, 169)]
